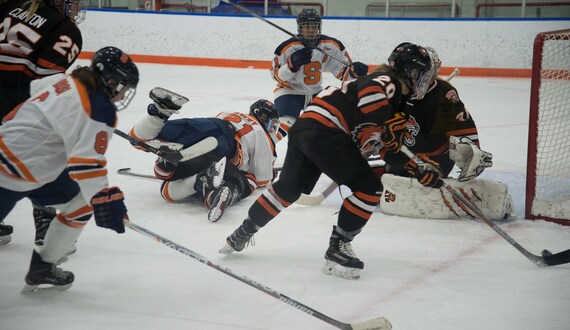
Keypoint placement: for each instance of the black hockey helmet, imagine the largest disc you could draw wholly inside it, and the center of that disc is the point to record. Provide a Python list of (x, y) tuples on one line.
[(118, 73), (266, 114), (309, 25), (415, 64)]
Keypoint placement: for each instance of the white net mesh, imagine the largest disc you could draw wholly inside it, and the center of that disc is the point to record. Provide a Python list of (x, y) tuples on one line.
[(552, 175)]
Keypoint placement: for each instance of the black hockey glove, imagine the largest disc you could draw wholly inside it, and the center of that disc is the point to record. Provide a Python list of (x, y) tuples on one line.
[(299, 57), (394, 131), (109, 209), (428, 174), (360, 69)]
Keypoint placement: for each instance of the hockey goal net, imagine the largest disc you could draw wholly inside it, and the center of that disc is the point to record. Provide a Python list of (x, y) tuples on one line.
[(548, 163)]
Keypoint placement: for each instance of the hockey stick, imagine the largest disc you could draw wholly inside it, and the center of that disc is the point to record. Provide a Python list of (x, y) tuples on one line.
[(306, 44), (171, 156), (127, 171), (379, 323), (547, 258), (174, 156), (309, 200)]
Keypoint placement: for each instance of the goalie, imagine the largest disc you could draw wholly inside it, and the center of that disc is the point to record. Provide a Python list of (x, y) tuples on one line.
[(240, 160), (442, 133)]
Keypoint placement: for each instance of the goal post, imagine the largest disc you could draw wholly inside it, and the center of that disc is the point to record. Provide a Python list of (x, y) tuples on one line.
[(548, 159)]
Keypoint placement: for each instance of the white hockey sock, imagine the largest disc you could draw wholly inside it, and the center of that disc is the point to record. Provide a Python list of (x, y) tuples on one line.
[(179, 189), (59, 240)]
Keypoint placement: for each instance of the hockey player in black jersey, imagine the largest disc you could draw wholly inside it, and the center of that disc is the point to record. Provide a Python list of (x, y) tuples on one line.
[(331, 136), (40, 38)]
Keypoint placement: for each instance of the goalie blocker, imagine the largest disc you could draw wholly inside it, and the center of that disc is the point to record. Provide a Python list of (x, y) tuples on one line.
[(407, 197)]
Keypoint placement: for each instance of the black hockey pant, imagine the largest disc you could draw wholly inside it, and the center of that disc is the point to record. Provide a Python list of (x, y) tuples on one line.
[(310, 153)]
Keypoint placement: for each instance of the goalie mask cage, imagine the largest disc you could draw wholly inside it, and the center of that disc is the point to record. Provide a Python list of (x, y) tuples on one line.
[(548, 162)]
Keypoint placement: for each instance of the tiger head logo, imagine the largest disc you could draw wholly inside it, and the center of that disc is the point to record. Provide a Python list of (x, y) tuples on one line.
[(389, 197), (413, 131), (366, 135)]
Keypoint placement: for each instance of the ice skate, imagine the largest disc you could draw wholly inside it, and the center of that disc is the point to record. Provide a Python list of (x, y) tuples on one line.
[(5, 233), (217, 201), (213, 176), (167, 99), (241, 237), (44, 276), (340, 258)]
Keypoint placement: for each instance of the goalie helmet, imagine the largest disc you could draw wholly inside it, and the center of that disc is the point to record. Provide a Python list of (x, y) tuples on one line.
[(309, 26), (118, 73), (72, 9), (416, 65), (266, 114)]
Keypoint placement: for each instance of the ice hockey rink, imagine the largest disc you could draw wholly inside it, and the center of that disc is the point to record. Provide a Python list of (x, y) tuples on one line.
[(419, 273)]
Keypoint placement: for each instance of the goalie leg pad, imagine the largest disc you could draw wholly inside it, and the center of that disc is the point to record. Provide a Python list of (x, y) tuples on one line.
[(406, 197)]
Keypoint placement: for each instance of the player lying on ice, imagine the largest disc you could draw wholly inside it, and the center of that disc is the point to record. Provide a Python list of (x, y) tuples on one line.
[(442, 129), (227, 171), (52, 151)]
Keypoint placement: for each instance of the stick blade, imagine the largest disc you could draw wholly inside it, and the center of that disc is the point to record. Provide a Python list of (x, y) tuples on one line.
[(379, 323), (557, 259)]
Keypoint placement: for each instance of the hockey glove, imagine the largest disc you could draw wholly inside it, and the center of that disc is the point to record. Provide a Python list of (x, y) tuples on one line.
[(109, 209), (360, 69), (394, 131), (428, 174), (299, 58), (468, 157)]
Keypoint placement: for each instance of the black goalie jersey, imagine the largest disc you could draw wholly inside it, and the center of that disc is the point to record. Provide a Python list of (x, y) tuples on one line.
[(46, 44), (431, 121)]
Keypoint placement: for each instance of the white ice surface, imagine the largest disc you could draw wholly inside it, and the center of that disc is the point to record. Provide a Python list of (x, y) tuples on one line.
[(419, 273)]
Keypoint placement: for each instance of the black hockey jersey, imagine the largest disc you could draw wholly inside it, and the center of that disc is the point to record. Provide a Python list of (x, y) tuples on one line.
[(48, 43), (431, 121), (359, 108)]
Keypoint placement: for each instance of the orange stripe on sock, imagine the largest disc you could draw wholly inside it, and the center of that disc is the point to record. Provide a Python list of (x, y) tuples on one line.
[(364, 215), (267, 206)]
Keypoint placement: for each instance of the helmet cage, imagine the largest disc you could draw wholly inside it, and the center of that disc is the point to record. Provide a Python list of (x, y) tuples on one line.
[(309, 26)]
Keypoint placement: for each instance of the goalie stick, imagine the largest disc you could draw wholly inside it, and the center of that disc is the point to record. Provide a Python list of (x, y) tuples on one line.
[(547, 258), (379, 323), (306, 44), (173, 156), (312, 200)]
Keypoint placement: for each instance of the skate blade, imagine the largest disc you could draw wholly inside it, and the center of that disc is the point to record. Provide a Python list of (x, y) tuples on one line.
[(336, 270), (36, 289), (226, 249)]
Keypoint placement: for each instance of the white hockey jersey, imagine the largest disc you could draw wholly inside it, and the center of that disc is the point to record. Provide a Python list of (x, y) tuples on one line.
[(59, 127), (308, 80), (255, 148)]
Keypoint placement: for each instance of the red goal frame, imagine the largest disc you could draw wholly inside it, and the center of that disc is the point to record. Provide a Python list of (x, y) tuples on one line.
[(537, 71)]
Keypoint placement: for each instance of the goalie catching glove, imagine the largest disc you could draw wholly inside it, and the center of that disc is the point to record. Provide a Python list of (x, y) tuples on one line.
[(468, 157), (428, 174), (109, 209)]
